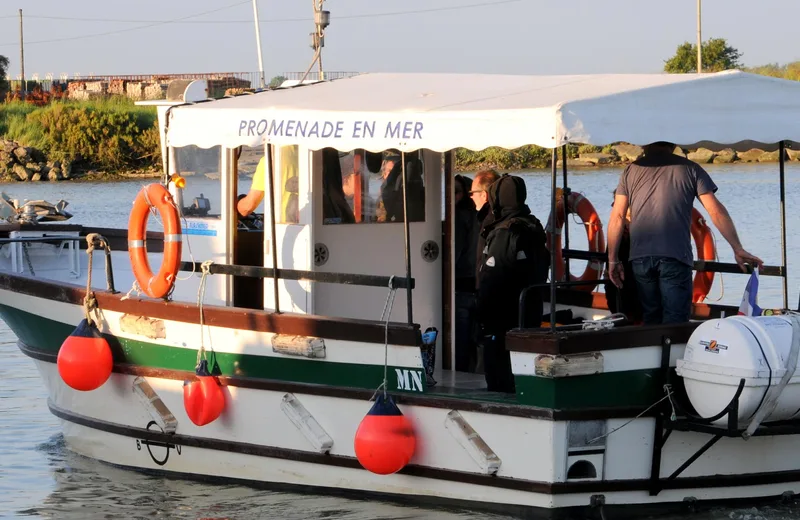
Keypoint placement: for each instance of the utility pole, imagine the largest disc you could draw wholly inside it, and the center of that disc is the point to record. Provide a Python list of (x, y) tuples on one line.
[(22, 57), (258, 44), (321, 20), (699, 41)]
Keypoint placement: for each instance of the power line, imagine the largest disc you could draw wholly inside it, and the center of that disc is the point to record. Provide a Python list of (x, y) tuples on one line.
[(139, 27), (270, 20)]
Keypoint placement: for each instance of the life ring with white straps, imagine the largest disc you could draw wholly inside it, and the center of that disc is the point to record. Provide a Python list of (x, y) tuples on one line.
[(580, 205), (160, 284), (706, 250)]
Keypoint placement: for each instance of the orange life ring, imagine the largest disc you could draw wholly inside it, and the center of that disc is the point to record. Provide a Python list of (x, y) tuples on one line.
[(704, 242), (160, 284), (580, 205)]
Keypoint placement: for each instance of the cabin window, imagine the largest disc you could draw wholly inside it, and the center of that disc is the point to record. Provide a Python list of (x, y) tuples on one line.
[(366, 187), (288, 166), (201, 169)]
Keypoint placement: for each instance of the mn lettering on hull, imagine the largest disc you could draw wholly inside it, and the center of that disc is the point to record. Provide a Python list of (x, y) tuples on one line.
[(409, 380)]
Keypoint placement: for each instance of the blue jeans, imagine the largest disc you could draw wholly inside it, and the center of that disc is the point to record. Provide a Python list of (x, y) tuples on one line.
[(665, 289)]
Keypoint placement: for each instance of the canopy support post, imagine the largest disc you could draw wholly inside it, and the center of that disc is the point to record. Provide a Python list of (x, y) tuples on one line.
[(407, 240), (782, 183), (273, 234), (553, 176), (566, 192)]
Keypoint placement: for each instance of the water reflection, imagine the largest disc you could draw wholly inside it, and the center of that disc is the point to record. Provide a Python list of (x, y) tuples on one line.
[(85, 488)]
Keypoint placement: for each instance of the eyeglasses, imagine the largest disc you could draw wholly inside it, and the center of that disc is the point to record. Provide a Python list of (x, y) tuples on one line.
[(473, 192)]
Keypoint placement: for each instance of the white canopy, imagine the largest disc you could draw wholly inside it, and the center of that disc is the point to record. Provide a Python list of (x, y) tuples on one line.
[(445, 111)]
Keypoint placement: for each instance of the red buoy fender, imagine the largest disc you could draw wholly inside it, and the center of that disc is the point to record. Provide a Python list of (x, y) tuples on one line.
[(84, 359), (385, 439), (203, 399)]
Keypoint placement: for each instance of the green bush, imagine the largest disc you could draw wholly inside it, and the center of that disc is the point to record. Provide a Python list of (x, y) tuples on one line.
[(111, 134)]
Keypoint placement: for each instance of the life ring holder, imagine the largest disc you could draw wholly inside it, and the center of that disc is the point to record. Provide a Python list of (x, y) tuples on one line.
[(707, 251), (155, 197), (581, 206)]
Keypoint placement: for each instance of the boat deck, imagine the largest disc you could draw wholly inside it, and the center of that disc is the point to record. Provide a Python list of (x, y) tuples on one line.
[(466, 385)]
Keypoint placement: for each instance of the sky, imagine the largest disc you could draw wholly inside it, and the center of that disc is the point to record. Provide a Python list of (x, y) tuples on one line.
[(478, 36)]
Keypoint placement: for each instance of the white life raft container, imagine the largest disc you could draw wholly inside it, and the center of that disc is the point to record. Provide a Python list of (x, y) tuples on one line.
[(722, 352)]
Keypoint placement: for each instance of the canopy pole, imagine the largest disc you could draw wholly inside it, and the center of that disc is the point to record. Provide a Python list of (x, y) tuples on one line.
[(782, 176), (273, 234), (552, 242), (565, 191), (407, 240)]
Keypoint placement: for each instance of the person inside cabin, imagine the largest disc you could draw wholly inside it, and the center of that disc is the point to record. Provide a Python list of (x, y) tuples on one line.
[(353, 182), (660, 189), (464, 258), (391, 199), (247, 204), (626, 299), (515, 257), (335, 209)]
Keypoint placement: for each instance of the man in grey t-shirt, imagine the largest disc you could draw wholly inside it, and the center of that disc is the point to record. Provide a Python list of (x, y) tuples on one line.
[(660, 189)]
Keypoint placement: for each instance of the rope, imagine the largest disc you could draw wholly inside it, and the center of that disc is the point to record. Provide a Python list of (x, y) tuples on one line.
[(667, 389), (89, 300), (205, 267), (385, 316), (134, 287)]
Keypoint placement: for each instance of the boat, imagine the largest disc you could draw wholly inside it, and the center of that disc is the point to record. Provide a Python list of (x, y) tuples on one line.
[(271, 350)]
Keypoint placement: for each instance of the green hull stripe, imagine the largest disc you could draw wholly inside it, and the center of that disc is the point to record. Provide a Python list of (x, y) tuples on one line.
[(610, 389), (632, 388), (48, 335)]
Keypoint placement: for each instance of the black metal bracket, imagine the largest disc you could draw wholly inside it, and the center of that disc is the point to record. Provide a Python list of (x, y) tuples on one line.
[(674, 416)]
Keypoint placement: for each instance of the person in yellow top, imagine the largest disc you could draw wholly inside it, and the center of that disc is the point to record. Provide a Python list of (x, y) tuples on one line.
[(248, 203)]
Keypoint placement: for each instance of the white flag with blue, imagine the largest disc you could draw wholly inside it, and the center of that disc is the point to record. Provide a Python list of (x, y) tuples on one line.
[(749, 305)]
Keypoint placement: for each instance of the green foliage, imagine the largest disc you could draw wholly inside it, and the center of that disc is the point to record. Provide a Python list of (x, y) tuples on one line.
[(589, 148), (3, 72), (110, 134), (789, 71), (276, 81), (717, 56), (524, 157)]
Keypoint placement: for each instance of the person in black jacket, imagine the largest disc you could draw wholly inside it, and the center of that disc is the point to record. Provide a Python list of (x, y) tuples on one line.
[(465, 258), (515, 257)]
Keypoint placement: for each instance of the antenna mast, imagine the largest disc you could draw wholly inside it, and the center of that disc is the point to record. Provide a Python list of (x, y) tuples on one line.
[(322, 19)]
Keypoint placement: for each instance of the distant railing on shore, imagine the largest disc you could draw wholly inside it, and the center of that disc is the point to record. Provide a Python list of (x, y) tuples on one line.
[(150, 86)]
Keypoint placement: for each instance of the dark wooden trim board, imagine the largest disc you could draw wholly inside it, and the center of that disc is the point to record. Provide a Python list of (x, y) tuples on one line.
[(426, 400), (542, 341), (551, 488), (227, 317)]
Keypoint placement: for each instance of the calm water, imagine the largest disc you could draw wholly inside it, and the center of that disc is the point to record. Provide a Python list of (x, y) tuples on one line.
[(40, 478)]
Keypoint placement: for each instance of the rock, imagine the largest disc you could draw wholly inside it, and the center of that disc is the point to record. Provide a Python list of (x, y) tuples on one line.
[(577, 163), (23, 154), (597, 158), (725, 156), (34, 167), (680, 152), (628, 152), (21, 172), (66, 169), (6, 159), (701, 156), (8, 146), (770, 156), (751, 155), (36, 177), (794, 155), (53, 174), (53, 164)]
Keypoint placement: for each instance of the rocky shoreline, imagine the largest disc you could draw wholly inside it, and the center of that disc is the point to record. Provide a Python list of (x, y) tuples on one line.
[(27, 164), (623, 154)]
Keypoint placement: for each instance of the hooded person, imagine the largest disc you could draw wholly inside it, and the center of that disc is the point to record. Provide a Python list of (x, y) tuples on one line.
[(514, 257)]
